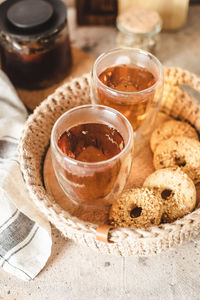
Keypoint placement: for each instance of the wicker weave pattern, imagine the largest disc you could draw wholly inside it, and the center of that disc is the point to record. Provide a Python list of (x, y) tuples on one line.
[(35, 140)]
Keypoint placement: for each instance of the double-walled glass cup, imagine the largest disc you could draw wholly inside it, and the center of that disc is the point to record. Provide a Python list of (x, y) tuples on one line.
[(92, 183), (139, 107)]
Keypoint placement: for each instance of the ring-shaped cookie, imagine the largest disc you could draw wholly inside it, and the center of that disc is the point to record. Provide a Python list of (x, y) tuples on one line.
[(140, 207), (179, 151), (171, 128), (177, 190)]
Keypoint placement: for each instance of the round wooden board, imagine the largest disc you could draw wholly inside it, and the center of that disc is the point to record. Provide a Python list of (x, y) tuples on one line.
[(141, 168)]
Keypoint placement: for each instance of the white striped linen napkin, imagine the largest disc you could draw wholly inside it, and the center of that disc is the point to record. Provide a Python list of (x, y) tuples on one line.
[(25, 236)]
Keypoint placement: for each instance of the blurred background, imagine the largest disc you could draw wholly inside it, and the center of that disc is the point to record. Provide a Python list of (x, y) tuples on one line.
[(177, 47), (92, 27)]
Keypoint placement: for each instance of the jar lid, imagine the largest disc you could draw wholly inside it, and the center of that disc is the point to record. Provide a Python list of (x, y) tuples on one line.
[(139, 20), (25, 19)]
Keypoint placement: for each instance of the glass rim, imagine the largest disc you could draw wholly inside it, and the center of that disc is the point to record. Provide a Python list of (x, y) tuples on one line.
[(54, 144), (137, 50)]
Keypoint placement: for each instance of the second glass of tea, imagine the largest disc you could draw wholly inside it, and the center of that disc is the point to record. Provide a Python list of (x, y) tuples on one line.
[(92, 150), (130, 81)]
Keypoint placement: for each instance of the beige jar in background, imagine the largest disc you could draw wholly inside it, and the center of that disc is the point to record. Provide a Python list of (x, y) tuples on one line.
[(173, 12), (139, 27)]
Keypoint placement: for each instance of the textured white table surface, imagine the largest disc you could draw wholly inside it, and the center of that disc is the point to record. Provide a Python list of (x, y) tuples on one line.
[(76, 273)]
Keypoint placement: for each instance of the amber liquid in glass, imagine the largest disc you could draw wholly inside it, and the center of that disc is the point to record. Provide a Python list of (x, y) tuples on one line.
[(91, 142), (128, 79)]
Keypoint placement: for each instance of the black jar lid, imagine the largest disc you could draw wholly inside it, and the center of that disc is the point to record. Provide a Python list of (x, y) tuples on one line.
[(29, 19)]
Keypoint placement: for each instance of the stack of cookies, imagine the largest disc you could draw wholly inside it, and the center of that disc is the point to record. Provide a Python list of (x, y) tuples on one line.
[(168, 193)]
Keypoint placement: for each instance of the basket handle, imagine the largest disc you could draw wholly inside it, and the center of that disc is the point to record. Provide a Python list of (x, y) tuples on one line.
[(103, 233)]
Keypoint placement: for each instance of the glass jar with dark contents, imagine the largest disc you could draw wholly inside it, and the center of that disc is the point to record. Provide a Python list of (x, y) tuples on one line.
[(34, 42)]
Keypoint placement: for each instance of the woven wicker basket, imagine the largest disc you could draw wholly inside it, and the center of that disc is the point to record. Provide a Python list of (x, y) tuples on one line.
[(35, 141)]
